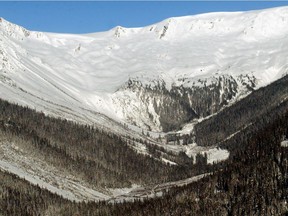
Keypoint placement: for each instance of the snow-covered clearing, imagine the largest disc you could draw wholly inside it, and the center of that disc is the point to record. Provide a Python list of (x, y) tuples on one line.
[(214, 154), (24, 164), (168, 161), (15, 160), (150, 191), (284, 143)]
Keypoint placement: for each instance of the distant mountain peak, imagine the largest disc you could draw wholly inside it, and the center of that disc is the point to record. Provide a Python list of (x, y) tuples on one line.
[(119, 30), (13, 30)]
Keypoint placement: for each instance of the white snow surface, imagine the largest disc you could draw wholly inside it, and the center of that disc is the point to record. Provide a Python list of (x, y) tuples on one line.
[(26, 165), (81, 77), (168, 161), (22, 163), (214, 154), (138, 192), (284, 143)]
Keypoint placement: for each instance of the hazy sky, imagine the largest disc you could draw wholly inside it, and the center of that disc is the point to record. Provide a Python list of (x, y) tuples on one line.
[(94, 16)]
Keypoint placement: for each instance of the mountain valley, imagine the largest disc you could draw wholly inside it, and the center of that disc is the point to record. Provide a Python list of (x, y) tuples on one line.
[(177, 118)]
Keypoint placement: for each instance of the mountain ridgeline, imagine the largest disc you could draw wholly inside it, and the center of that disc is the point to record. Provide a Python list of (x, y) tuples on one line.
[(157, 77)]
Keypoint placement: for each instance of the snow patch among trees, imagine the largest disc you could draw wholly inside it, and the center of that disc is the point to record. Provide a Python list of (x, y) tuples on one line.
[(284, 143)]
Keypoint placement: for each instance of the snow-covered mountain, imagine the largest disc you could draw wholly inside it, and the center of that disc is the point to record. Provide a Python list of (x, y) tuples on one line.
[(157, 77)]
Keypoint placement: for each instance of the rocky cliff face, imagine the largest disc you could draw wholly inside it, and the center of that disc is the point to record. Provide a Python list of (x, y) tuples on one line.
[(155, 107)]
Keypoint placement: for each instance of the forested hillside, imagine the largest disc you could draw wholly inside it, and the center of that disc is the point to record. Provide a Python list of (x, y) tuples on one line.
[(101, 159), (240, 115), (97, 157), (254, 182)]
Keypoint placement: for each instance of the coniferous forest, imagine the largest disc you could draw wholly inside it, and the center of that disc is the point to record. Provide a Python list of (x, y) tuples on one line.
[(253, 181), (100, 158)]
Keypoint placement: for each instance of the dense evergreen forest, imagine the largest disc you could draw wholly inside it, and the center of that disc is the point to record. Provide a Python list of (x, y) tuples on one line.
[(241, 114), (253, 181), (98, 157)]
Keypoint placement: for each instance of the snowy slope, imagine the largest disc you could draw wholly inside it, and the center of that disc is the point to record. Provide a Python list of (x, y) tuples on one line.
[(18, 161), (85, 77)]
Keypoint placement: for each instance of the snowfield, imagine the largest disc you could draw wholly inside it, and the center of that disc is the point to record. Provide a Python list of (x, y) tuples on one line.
[(81, 77)]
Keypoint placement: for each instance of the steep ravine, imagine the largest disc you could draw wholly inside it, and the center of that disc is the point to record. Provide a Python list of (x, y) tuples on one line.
[(155, 107)]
